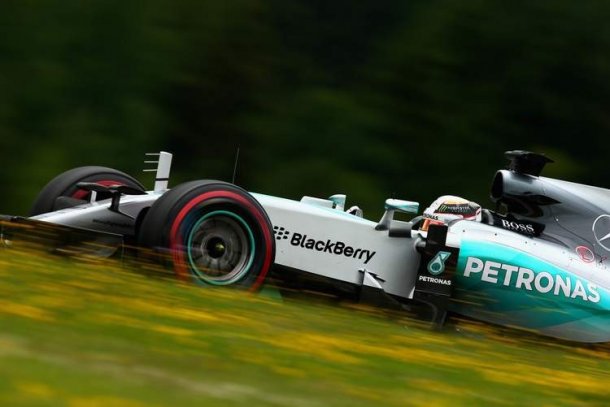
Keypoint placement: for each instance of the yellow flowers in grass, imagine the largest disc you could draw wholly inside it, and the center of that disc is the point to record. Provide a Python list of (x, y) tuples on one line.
[(25, 311)]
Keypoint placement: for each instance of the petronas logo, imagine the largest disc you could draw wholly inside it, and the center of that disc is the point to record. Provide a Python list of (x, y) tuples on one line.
[(437, 264)]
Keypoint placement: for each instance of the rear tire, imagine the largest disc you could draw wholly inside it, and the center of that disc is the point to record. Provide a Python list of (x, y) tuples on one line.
[(64, 185), (211, 232)]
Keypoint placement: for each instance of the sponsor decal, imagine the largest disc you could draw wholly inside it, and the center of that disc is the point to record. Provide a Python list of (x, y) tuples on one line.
[(458, 208), (435, 280), (585, 254), (522, 278), (280, 233), (601, 231), (436, 266), (519, 227), (436, 269), (338, 247), (329, 246)]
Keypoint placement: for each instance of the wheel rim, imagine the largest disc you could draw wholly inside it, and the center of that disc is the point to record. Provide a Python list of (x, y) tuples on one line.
[(220, 248)]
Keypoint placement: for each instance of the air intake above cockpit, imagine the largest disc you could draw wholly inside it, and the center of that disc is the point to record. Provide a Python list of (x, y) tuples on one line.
[(526, 162)]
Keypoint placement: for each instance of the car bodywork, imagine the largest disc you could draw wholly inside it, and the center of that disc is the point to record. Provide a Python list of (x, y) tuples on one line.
[(541, 265)]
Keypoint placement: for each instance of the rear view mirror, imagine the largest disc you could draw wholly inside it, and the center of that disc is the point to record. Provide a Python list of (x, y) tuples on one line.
[(393, 205)]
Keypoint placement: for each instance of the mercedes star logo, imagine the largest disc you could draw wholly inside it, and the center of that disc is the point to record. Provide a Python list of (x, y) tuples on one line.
[(601, 231)]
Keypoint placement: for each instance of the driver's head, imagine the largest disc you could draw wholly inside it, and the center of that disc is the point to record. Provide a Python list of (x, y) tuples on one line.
[(447, 208)]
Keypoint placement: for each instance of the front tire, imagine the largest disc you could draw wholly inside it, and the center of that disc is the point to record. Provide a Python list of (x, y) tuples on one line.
[(213, 233), (64, 186)]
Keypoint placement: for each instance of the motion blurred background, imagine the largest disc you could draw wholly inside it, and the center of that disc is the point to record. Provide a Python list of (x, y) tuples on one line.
[(411, 99)]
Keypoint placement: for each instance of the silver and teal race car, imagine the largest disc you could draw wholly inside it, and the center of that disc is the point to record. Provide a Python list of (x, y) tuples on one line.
[(538, 262)]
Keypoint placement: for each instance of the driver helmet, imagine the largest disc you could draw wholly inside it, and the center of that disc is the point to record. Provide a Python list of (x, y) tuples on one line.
[(448, 208)]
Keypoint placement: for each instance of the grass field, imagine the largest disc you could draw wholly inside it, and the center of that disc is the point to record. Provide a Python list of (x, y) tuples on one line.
[(76, 333)]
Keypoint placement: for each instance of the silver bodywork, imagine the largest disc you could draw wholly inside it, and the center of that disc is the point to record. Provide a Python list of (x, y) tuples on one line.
[(391, 259)]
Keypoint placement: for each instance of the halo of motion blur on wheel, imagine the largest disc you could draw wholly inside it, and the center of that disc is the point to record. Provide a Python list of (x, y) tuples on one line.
[(212, 232)]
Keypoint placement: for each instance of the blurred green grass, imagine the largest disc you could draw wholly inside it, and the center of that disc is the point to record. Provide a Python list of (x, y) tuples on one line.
[(77, 333)]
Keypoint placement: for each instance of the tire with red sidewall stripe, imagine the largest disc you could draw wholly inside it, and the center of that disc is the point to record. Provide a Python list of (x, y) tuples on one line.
[(64, 185), (211, 232)]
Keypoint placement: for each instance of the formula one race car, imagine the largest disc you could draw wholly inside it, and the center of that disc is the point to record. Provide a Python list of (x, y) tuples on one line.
[(540, 262)]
